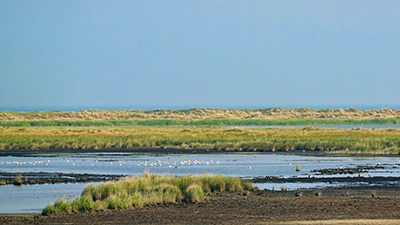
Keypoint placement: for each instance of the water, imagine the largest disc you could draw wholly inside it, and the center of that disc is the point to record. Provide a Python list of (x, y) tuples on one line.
[(33, 198), (36, 197)]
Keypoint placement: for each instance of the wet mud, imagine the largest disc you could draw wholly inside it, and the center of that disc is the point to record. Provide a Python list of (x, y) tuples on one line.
[(46, 178), (259, 207)]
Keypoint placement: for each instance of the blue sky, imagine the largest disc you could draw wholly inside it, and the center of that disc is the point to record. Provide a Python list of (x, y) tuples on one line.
[(183, 54)]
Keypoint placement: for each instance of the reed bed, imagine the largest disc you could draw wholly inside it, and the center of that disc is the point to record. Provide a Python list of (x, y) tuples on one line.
[(356, 141), (148, 189)]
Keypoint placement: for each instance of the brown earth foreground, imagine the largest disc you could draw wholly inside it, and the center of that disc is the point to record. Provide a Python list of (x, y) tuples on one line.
[(336, 206)]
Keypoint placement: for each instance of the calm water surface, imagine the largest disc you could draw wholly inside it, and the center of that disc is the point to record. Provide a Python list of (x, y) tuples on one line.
[(36, 197)]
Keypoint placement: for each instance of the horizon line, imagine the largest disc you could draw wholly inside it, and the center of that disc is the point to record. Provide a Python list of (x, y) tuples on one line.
[(171, 107)]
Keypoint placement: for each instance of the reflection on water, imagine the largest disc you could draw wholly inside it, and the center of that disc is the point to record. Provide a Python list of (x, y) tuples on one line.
[(247, 166), (33, 198)]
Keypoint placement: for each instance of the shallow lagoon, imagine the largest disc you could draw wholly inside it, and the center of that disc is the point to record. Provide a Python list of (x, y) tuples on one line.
[(36, 197)]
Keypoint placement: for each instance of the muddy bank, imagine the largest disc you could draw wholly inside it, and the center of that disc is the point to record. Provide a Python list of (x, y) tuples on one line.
[(371, 180), (261, 207), (150, 151), (45, 178), (355, 170), (163, 151)]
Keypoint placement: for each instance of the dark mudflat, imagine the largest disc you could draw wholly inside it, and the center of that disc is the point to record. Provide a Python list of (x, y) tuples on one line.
[(262, 207), (356, 179), (46, 178)]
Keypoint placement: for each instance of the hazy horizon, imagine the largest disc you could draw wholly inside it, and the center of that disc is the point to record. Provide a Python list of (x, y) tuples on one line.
[(90, 54), (81, 108)]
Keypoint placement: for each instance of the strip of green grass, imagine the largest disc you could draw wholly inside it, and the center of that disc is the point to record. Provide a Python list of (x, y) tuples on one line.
[(135, 192), (357, 141), (208, 122)]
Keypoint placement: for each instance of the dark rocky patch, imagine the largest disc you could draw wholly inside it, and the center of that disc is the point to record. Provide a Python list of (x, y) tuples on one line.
[(43, 177)]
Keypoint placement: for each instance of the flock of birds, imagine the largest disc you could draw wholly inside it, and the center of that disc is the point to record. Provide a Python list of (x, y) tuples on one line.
[(33, 163), (176, 164), (94, 162)]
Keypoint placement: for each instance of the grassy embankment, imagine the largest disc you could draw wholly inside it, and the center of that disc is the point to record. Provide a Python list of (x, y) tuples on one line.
[(135, 192), (356, 141)]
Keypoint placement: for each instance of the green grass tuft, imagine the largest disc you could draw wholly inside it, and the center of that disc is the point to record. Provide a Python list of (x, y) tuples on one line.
[(194, 193), (148, 189)]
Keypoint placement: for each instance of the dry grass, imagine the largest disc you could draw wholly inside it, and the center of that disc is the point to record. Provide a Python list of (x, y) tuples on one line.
[(211, 138), (201, 114)]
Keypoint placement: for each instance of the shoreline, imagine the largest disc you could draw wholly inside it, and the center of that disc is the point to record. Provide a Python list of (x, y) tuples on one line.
[(34, 178), (166, 151), (345, 205)]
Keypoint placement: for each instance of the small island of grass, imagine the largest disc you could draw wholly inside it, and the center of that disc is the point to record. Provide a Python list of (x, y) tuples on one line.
[(148, 189)]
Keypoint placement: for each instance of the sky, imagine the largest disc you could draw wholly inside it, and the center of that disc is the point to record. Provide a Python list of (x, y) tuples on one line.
[(144, 54)]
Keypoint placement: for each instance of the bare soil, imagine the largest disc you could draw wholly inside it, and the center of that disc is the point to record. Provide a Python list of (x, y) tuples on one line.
[(334, 206)]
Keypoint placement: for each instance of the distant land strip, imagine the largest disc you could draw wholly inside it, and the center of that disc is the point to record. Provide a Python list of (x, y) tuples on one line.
[(203, 122), (203, 138), (202, 114), (201, 117)]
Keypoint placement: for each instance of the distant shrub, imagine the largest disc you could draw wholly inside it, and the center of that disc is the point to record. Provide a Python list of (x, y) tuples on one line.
[(18, 180)]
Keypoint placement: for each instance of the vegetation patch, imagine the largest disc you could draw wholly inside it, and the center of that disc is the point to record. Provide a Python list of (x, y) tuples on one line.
[(205, 116), (148, 189), (205, 122), (18, 180), (337, 141)]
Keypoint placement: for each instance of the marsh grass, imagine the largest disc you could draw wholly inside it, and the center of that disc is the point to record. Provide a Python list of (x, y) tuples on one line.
[(18, 180), (194, 193), (203, 138), (148, 189)]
